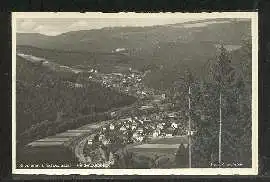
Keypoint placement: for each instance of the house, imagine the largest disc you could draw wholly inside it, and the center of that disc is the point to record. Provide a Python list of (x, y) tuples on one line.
[(111, 127), (123, 128), (172, 115), (140, 130), (146, 107), (191, 132), (140, 139), (160, 126), (105, 141), (90, 142), (101, 137), (91, 71), (137, 137), (117, 74), (168, 135), (174, 125), (163, 96), (147, 120), (78, 85), (155, 134), (134, 126), (113, 114), (120, 49)]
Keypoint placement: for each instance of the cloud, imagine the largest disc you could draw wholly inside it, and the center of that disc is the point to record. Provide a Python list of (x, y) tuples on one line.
[(32, 26), (49, 26), (79, 25), (26, 25), (47, 30), (204, 24)]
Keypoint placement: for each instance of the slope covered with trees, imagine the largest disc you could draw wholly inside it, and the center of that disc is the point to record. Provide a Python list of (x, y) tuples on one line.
[(225, 96), (46, 103), (160, 49)]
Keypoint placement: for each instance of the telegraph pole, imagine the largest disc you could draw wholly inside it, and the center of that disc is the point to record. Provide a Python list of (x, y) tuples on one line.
[(189, 127), (220, 130)]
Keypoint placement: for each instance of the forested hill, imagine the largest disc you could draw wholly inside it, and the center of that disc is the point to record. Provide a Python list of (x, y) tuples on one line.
[(158, 45), (166, 50), (141, 39), (47, 103)]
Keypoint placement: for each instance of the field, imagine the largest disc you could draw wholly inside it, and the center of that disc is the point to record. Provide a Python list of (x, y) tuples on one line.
[(44, 155), (209, 65), (158, 153)]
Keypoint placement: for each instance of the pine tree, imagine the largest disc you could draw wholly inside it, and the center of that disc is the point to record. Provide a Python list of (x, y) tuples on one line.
[(238, 128), (209, 93), (236, 119)]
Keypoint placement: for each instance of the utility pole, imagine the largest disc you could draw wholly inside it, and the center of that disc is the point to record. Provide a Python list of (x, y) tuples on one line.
[(189, 126), (220, 130)]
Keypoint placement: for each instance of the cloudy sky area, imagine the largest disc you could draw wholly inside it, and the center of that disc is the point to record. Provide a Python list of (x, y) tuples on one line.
[(59, 25)]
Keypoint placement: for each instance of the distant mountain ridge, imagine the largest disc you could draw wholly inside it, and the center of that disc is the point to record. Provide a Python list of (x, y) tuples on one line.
[(172, 47), (111, 38)]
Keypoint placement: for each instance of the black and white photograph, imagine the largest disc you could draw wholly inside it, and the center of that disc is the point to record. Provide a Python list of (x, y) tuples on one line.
[(135, 93)]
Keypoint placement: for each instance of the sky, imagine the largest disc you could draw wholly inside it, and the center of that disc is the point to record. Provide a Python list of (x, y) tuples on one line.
[(56, 26), (57, 23)]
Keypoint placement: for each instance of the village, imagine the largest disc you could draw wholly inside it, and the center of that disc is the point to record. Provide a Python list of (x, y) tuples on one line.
[(133, 130), (153, 116)]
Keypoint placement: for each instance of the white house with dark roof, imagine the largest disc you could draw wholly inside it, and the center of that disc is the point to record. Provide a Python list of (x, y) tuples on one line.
[(155, 134), (90, 142), (123, 128), (172, 114), (140, 130), (174, 125), (160, 126)]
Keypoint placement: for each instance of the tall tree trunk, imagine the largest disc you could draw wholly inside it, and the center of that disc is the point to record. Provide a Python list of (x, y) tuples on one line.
[(189, 126), (220, 129)]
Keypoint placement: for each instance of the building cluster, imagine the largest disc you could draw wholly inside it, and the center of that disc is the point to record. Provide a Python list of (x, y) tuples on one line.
[(141, 129), (129, 82)]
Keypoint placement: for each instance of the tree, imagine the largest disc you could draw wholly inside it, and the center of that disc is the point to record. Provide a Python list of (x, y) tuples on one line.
[(207, 109), (237, 130), (228, 81)]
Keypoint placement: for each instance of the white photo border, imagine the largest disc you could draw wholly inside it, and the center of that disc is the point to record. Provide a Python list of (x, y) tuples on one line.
[(183, 171)]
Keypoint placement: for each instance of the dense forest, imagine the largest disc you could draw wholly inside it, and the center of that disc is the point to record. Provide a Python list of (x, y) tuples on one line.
[(166, 51), (226, 88), (175, 59), (46, 102), (232, 83)]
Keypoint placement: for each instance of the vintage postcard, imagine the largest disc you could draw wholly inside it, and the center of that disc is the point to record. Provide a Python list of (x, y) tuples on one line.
[(135, 93)]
